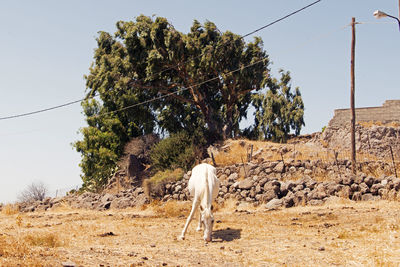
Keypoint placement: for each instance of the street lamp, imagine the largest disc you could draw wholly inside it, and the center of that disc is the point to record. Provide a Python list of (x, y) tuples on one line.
[(380, 14)]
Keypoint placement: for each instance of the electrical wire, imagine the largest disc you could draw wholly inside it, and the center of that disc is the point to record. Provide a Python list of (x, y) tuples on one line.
[(177, 91), (86, 98), (325, 35)]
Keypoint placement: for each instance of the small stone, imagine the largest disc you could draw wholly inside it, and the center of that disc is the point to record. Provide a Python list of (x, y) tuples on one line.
[(68, 264), (321, 249)]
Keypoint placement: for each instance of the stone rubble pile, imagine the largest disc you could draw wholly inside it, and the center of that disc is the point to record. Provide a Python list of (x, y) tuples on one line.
[(374, 140)]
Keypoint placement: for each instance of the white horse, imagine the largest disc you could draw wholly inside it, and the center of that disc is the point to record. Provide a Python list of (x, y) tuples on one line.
[(204, 186)]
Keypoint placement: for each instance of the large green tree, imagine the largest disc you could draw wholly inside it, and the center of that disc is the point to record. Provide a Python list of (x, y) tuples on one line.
[(208, 79), (278, 111)]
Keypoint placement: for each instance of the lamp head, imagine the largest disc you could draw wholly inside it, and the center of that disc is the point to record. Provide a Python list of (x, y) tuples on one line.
[(379, 14)]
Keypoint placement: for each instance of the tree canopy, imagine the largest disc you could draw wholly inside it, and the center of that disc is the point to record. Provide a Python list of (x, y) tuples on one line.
[(150, 77)]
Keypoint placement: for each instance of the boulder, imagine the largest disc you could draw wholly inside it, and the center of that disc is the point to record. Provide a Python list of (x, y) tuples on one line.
[(274, 204), (246, 184)]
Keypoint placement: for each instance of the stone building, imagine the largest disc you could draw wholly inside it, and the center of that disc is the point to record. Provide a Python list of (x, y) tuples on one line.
[(388, 112)]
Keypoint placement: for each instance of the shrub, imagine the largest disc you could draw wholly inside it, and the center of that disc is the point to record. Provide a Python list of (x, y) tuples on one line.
[(175, 151), (35, 191), (155, 185)]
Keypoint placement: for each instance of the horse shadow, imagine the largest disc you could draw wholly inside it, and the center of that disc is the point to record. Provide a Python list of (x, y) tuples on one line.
[(227, 234)]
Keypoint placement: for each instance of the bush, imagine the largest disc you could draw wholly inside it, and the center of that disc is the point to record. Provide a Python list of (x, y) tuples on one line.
[(175, 151), (35, 191), (154, 187)]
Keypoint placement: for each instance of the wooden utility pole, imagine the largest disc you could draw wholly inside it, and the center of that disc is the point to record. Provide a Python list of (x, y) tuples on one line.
[(353, 112)]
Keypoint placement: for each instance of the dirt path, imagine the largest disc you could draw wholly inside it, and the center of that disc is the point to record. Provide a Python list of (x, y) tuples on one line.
[(341, 233)]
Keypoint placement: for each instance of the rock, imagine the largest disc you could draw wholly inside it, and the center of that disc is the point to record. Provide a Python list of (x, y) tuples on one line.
[(235, 185), (107, 198), (263, 181), (347, 180), (274, 204), (68, 264), (288, 200), (315, 202), (233, 176), (308, 182), (367, 197), (106, 205), (224, 189), (246, 184), (369, 181), (273, 185), (307, 172), (178, 188), (268, 195), (332, 188), (396, 183), (258, 189), (357, 196), (279, 167), (364, 188), (298, 187), (383, 193), (120, 203), (375, 188), (355, 187), (300, 198)]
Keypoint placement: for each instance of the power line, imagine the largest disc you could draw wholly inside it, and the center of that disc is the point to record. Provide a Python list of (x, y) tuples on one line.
[(278, 20), (80, 100), (42, 110), (177, 91), (211, 79)]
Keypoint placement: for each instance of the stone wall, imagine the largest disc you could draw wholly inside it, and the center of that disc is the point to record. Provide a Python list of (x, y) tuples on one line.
[(388, 112), (276, 184)]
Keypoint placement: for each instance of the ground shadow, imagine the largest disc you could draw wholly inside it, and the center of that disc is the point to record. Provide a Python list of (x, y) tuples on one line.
[(227, 234)]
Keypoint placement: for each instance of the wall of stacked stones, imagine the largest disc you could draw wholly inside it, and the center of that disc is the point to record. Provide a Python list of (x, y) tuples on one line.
[(281, 184), (290, 184)]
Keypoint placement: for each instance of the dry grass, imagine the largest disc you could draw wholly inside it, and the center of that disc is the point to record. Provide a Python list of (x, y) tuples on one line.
[(10, 209), (342, 232), (237, 151), (170, 208), (370, 124), (15, 251), (41, 239)]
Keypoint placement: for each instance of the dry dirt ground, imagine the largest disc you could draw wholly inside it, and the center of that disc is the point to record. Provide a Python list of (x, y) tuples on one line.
[(341, 232)]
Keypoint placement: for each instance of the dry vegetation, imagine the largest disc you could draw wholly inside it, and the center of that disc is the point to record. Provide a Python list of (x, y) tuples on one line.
[(236, 152), (341, 232)]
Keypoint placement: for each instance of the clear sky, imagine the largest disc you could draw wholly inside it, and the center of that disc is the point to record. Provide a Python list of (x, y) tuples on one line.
[(47, 46)]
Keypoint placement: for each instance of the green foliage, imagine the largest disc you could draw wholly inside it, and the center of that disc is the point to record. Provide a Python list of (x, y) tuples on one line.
[(166, 176), (101, 147), (323, 129), (146, 59), (175, 151), (278, 111)]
